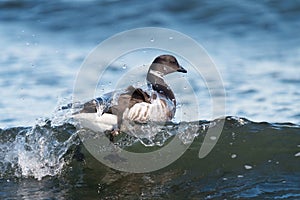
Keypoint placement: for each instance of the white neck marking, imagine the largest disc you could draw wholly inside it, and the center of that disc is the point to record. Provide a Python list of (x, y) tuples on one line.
[(156, 73)]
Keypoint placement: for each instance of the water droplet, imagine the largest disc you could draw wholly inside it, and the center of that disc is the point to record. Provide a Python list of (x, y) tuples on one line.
[(248, 166), (233, 156), (27, 43), (152, 40), (124, 66), (297, 154), (240, 176), (170, 38), (212, 124), (213, 137)]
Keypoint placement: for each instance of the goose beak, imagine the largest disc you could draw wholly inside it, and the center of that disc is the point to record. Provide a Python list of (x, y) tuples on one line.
[(181, 69)]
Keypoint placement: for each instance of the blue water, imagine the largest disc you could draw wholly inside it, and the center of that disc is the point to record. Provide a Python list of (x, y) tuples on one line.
[(254, 45)]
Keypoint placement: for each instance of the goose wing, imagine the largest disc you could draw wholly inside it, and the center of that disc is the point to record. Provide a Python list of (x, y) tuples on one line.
[(128, 99), (94, 105)]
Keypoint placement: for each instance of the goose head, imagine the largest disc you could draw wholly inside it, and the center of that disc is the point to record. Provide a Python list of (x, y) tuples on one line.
[(161, 66), (165, 64)]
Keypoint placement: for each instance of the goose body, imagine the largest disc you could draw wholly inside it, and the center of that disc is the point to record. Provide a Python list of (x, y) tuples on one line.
[(134, 104)]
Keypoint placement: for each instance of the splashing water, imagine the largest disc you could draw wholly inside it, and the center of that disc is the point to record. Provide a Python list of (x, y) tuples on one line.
[(156, 134), (43, 149), (36, 151)]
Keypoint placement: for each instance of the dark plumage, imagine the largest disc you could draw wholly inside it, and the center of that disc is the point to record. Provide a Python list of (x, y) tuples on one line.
[(137, 105)]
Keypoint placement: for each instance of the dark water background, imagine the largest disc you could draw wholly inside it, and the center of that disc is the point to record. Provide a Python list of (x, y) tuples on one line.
[(255, 46)]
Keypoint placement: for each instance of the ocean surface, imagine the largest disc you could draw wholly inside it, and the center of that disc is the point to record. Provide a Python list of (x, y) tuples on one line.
[(254, 45)]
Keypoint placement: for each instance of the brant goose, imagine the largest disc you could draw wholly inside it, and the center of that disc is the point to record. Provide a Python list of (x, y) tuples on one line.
[(135, 104)]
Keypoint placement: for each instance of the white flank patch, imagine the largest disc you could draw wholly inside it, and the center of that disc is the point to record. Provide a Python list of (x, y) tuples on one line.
[(96, 122)]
